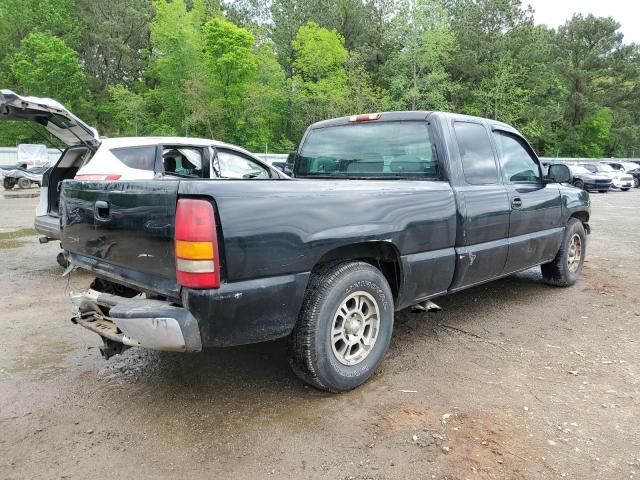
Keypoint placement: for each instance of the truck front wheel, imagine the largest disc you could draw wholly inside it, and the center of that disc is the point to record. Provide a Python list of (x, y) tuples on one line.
[(344, 327), (565, 269)]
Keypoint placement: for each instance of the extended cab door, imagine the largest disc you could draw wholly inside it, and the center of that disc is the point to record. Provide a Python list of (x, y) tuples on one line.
[(483, 204), (535, 229)]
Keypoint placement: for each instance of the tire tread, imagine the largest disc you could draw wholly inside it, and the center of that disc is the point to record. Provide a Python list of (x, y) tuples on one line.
[(303, 336)]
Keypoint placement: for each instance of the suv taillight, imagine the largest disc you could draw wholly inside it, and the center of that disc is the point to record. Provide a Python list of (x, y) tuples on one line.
[(94, 177), (197, 262)]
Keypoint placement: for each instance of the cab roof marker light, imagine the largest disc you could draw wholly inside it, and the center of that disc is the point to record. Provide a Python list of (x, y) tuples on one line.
[(365, 117)]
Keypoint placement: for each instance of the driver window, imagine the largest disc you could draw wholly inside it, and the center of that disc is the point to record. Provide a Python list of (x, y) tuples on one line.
[(233, 165), (518, 165)]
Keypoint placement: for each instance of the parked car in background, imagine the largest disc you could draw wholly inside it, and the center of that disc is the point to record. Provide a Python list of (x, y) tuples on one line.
[(385, 211), (636, 177), (89, 157), (630, 168), (620, 180), (32, 162), (32, 155), (586, 180), (22, 177)]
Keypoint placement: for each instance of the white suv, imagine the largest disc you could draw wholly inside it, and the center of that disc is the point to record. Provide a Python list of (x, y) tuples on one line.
[(89, 157)]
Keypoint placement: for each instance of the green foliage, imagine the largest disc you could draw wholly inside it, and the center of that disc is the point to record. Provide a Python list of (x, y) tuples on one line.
[(177, 60), (417, 69), (229, 52), (115, 43), (18, 18), (46, 66), (258, 73), (318, 88), (126, 110), (319, 53), (595, 131)]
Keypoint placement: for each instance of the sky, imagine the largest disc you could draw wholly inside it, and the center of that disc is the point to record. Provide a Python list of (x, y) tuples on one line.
[(555, 12)]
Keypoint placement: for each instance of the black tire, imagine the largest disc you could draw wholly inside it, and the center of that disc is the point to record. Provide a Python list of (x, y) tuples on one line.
[(105, 286), (311, 344), (603, 191), (8, 183), (578, 184), (24, 182), (558, 272), (624, 189), (636, 182), (62, 261)]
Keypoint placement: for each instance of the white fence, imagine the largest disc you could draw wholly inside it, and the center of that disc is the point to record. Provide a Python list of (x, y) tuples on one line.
[(570, 159), (9, 156)]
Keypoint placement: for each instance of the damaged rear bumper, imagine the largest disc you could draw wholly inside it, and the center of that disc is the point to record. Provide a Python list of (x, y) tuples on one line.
[(136, 322)]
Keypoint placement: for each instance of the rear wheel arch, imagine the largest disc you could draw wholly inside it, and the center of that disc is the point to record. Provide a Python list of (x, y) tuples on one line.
[(380, 254), (583, 217)]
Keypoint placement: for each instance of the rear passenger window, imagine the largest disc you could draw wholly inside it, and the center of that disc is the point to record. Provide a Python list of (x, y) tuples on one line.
[(517, 163), (142, 158), (478, 161), (183, 162)]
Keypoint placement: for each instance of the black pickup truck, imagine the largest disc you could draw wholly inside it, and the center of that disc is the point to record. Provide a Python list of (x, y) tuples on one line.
[(384, 212)]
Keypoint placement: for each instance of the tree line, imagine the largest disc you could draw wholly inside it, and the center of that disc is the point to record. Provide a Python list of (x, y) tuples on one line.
[(257, 73)]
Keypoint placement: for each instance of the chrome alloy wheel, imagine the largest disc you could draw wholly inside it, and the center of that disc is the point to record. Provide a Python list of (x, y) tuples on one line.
[(355, 328), (575, 253)]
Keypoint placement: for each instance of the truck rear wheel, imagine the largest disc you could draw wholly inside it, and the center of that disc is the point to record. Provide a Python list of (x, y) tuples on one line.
[(565, 269), (24, 182), (344, 327)]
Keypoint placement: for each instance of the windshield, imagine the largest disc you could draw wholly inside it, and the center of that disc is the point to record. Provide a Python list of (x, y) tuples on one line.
[(629, 166), (578, 169), (604, 168), (369, 150)]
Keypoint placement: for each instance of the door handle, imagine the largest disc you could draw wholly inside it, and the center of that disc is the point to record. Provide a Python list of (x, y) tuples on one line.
[(101, 210), (516, 203)]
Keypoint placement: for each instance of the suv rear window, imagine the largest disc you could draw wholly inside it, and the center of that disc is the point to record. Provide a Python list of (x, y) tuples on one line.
[(142, 158), (369, 150)]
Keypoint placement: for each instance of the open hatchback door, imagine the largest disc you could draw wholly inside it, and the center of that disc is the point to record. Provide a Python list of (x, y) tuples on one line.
[(81, 140), (59, 121)]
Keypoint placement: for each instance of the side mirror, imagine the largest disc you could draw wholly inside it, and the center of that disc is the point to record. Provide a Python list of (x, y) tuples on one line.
[(283, 167), (559, 173), (291, 158)]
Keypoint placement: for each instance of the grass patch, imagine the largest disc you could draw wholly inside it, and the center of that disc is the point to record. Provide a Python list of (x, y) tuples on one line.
[(4, 244), (23, 232)]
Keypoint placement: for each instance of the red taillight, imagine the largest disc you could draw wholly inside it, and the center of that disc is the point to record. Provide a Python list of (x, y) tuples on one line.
[(365, 117), (94, 177), (196, 245)]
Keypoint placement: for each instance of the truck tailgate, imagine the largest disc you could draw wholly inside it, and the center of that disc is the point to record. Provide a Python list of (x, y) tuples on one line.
[(123, 231)]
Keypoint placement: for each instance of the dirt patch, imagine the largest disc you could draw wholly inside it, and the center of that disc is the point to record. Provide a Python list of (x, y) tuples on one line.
[(461, 443), (609, 289)]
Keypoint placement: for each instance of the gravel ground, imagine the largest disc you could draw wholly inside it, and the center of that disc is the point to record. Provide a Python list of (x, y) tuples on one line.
[(512, 380)]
